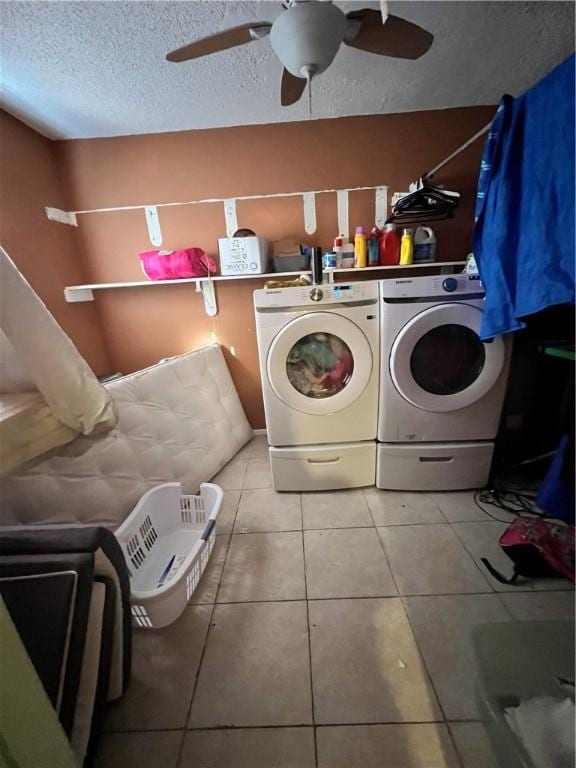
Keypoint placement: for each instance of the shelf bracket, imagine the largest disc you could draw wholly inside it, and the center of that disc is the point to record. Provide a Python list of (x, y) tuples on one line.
[(74, 295), (206, 288)]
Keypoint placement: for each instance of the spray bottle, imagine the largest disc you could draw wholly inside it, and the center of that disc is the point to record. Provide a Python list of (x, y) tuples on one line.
[(360, 250)]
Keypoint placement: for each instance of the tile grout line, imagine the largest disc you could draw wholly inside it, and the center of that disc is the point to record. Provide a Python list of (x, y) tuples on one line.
[(503, 604), (309, 638), (422, 657), (376, 528), (420, 653), (205, 645), (454, 745), (351, 527), (390, 597), (264, 727), (452, 739), (473, 558), (439, 508), (195, 685)]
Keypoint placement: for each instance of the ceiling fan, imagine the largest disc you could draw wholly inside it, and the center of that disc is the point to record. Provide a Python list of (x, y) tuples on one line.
[(307, 35)]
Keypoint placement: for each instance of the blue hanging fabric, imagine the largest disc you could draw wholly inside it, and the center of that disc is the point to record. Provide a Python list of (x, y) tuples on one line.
[(524, 234), (556, 494)]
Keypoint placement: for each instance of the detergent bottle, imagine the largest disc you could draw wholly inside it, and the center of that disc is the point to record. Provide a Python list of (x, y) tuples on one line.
[(406, 248), (424, 245), (389, 246), (360, 249), (374, 247)]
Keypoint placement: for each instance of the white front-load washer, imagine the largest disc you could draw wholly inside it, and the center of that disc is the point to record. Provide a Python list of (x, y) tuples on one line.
[(441, 387), (319, 363)]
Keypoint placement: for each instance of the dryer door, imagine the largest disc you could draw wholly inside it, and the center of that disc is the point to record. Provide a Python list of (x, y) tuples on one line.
[(319, 363), (438, 362)]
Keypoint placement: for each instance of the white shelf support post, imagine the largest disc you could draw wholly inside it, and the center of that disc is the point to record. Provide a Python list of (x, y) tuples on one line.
[(231, 216), (153, 223), (381, 206), (342, 206), (206, 288), (309, 199)]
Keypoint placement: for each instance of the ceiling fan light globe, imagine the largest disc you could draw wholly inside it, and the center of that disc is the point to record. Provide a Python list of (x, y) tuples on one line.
[(307, 36)]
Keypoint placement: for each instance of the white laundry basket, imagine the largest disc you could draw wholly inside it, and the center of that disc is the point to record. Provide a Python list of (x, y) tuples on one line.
[(167, 540)]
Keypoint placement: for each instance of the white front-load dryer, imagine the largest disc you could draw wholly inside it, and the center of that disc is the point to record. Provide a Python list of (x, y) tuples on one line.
[(441, 386), (319, 364)]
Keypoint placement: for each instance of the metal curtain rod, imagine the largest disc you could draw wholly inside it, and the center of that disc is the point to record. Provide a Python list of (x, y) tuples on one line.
[(428, 175)]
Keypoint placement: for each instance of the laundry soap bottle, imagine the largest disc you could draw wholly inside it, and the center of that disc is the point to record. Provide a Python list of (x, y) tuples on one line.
[(424, 245), (374, 247), (389, 246), (406, 248), (360, 249)]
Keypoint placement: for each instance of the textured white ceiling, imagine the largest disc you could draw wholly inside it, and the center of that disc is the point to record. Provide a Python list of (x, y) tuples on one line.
[(85, 69)]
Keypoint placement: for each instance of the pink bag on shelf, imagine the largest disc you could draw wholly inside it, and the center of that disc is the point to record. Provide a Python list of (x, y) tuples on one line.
[(171, 265)]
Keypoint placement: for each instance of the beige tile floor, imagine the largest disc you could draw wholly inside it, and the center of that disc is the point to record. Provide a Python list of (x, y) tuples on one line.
[(329, 630)]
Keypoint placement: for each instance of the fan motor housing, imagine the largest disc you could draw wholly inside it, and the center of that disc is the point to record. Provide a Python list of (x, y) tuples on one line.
[(306, 37)]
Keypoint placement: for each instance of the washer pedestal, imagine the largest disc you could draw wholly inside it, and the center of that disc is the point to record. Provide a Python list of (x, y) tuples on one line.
[(433, 466), (323, 467)]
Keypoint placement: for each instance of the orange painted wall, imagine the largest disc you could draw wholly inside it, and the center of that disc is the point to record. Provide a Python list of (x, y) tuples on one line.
[(47, 253), (143, 325)]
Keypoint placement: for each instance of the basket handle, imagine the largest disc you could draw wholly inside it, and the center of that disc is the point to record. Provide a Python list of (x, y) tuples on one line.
[(208, 530)]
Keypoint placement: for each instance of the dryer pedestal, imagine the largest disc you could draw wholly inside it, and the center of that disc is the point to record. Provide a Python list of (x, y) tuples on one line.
[(433, 466), (323, 467)]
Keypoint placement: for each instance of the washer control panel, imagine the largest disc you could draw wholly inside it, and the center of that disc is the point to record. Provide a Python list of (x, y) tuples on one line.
[(317, 295)]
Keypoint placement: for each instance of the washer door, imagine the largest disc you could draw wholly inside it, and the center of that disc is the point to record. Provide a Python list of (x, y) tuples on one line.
[(438, 362), (319, 363)]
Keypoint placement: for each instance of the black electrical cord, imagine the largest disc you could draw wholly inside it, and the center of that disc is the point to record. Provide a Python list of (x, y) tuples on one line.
[(519, 503)]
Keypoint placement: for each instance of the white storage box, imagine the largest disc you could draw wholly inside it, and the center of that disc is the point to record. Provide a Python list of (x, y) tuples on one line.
[(323, 467), (167, 540), (243, 255), (433, 466)]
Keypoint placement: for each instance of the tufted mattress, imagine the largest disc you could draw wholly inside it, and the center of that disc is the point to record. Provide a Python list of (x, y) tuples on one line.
[(180, 420)]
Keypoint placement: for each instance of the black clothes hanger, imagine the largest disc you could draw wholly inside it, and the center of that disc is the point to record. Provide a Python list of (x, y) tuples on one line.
[(427, 203)]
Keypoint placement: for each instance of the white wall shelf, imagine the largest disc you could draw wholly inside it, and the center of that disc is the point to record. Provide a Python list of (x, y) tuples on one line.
[(74, 293), (80, 293)]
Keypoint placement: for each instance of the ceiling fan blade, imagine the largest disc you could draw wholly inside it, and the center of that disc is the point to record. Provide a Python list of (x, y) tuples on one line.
[(230, 38), (292, 88), (397, 37)]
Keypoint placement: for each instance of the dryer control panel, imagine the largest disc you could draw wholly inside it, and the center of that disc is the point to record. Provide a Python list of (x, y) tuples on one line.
[(317, 295), (431, 286)]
